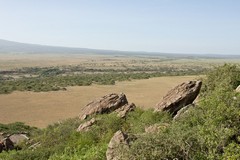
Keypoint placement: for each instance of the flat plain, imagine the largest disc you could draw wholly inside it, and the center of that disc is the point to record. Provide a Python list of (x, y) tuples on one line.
[(44, 108)]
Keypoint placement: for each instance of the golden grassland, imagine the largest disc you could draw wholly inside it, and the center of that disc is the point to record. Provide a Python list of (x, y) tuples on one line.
[(14, 61), (41, 109)]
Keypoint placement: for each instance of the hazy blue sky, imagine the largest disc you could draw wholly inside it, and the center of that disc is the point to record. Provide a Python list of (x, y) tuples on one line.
[(176, 26)]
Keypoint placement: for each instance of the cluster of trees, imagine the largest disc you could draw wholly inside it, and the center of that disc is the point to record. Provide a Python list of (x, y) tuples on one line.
[(52, 80), (210, 130)]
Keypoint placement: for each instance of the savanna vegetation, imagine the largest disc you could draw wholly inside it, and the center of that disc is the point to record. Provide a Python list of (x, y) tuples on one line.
[(210, 130), (58, 78)]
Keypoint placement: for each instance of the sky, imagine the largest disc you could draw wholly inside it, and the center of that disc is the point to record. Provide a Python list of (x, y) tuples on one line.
[(169, 26)]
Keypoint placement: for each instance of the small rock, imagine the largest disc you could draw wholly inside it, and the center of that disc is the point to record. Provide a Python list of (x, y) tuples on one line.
[(156, 128), (182, 111), (18, 138), (123, 111), (85, 126), (118, 138), (238, 89)]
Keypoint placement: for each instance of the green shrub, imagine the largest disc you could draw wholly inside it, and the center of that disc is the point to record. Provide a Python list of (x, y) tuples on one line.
[(210, 130), (205, 131), (139, 119), (17, 127)]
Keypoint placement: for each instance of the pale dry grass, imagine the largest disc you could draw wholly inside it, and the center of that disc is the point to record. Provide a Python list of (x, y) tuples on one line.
[(13, 61), (41, 109)]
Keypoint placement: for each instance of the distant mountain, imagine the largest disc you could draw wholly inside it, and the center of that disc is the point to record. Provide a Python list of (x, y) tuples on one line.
[(7, 47), (16, 47)]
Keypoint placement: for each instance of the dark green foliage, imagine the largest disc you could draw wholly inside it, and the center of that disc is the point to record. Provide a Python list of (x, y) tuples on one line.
[(139, 119), (226, 76), (61, 141), (57, 78), (211, 130)]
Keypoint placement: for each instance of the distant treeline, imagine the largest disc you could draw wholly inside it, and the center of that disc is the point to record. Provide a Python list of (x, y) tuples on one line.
[(53, 80)]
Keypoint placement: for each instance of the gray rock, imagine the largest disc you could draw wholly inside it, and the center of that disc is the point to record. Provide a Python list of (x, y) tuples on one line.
[(18, 138), (179, 97), (118, 139), (238, 89), (85, 126), (106, 104), (123, 111), (182, 111)]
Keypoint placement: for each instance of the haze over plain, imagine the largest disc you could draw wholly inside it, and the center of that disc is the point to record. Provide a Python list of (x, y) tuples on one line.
[(168, 26)]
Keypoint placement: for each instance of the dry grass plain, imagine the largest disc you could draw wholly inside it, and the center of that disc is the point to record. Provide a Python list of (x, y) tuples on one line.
[(16, 61), (44, 108)]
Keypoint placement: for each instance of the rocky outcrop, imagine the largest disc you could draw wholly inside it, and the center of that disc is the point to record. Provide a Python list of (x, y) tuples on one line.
[(105, 104), (179, 97), (118, 139), (123, 111), (85, 126)]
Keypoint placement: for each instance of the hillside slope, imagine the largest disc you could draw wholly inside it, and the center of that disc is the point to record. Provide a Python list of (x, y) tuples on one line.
[(210, 130)]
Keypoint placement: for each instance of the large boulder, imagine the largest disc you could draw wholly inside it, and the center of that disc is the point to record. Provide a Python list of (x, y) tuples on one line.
[(118, 139), (105, 104), (179, 97)]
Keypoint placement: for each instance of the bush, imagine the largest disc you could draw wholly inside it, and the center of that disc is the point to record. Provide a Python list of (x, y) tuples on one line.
[(208, 131)]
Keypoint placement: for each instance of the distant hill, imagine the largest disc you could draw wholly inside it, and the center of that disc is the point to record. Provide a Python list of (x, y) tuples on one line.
[(16, 47), (7, 47)]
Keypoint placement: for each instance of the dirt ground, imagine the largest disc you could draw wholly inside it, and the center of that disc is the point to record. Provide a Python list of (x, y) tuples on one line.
[(44, 108)]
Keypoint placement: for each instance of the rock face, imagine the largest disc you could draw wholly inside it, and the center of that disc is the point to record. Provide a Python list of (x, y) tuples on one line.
[(105, 104), (118, 138), (179, 97), (122, 112), (85, 126)]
